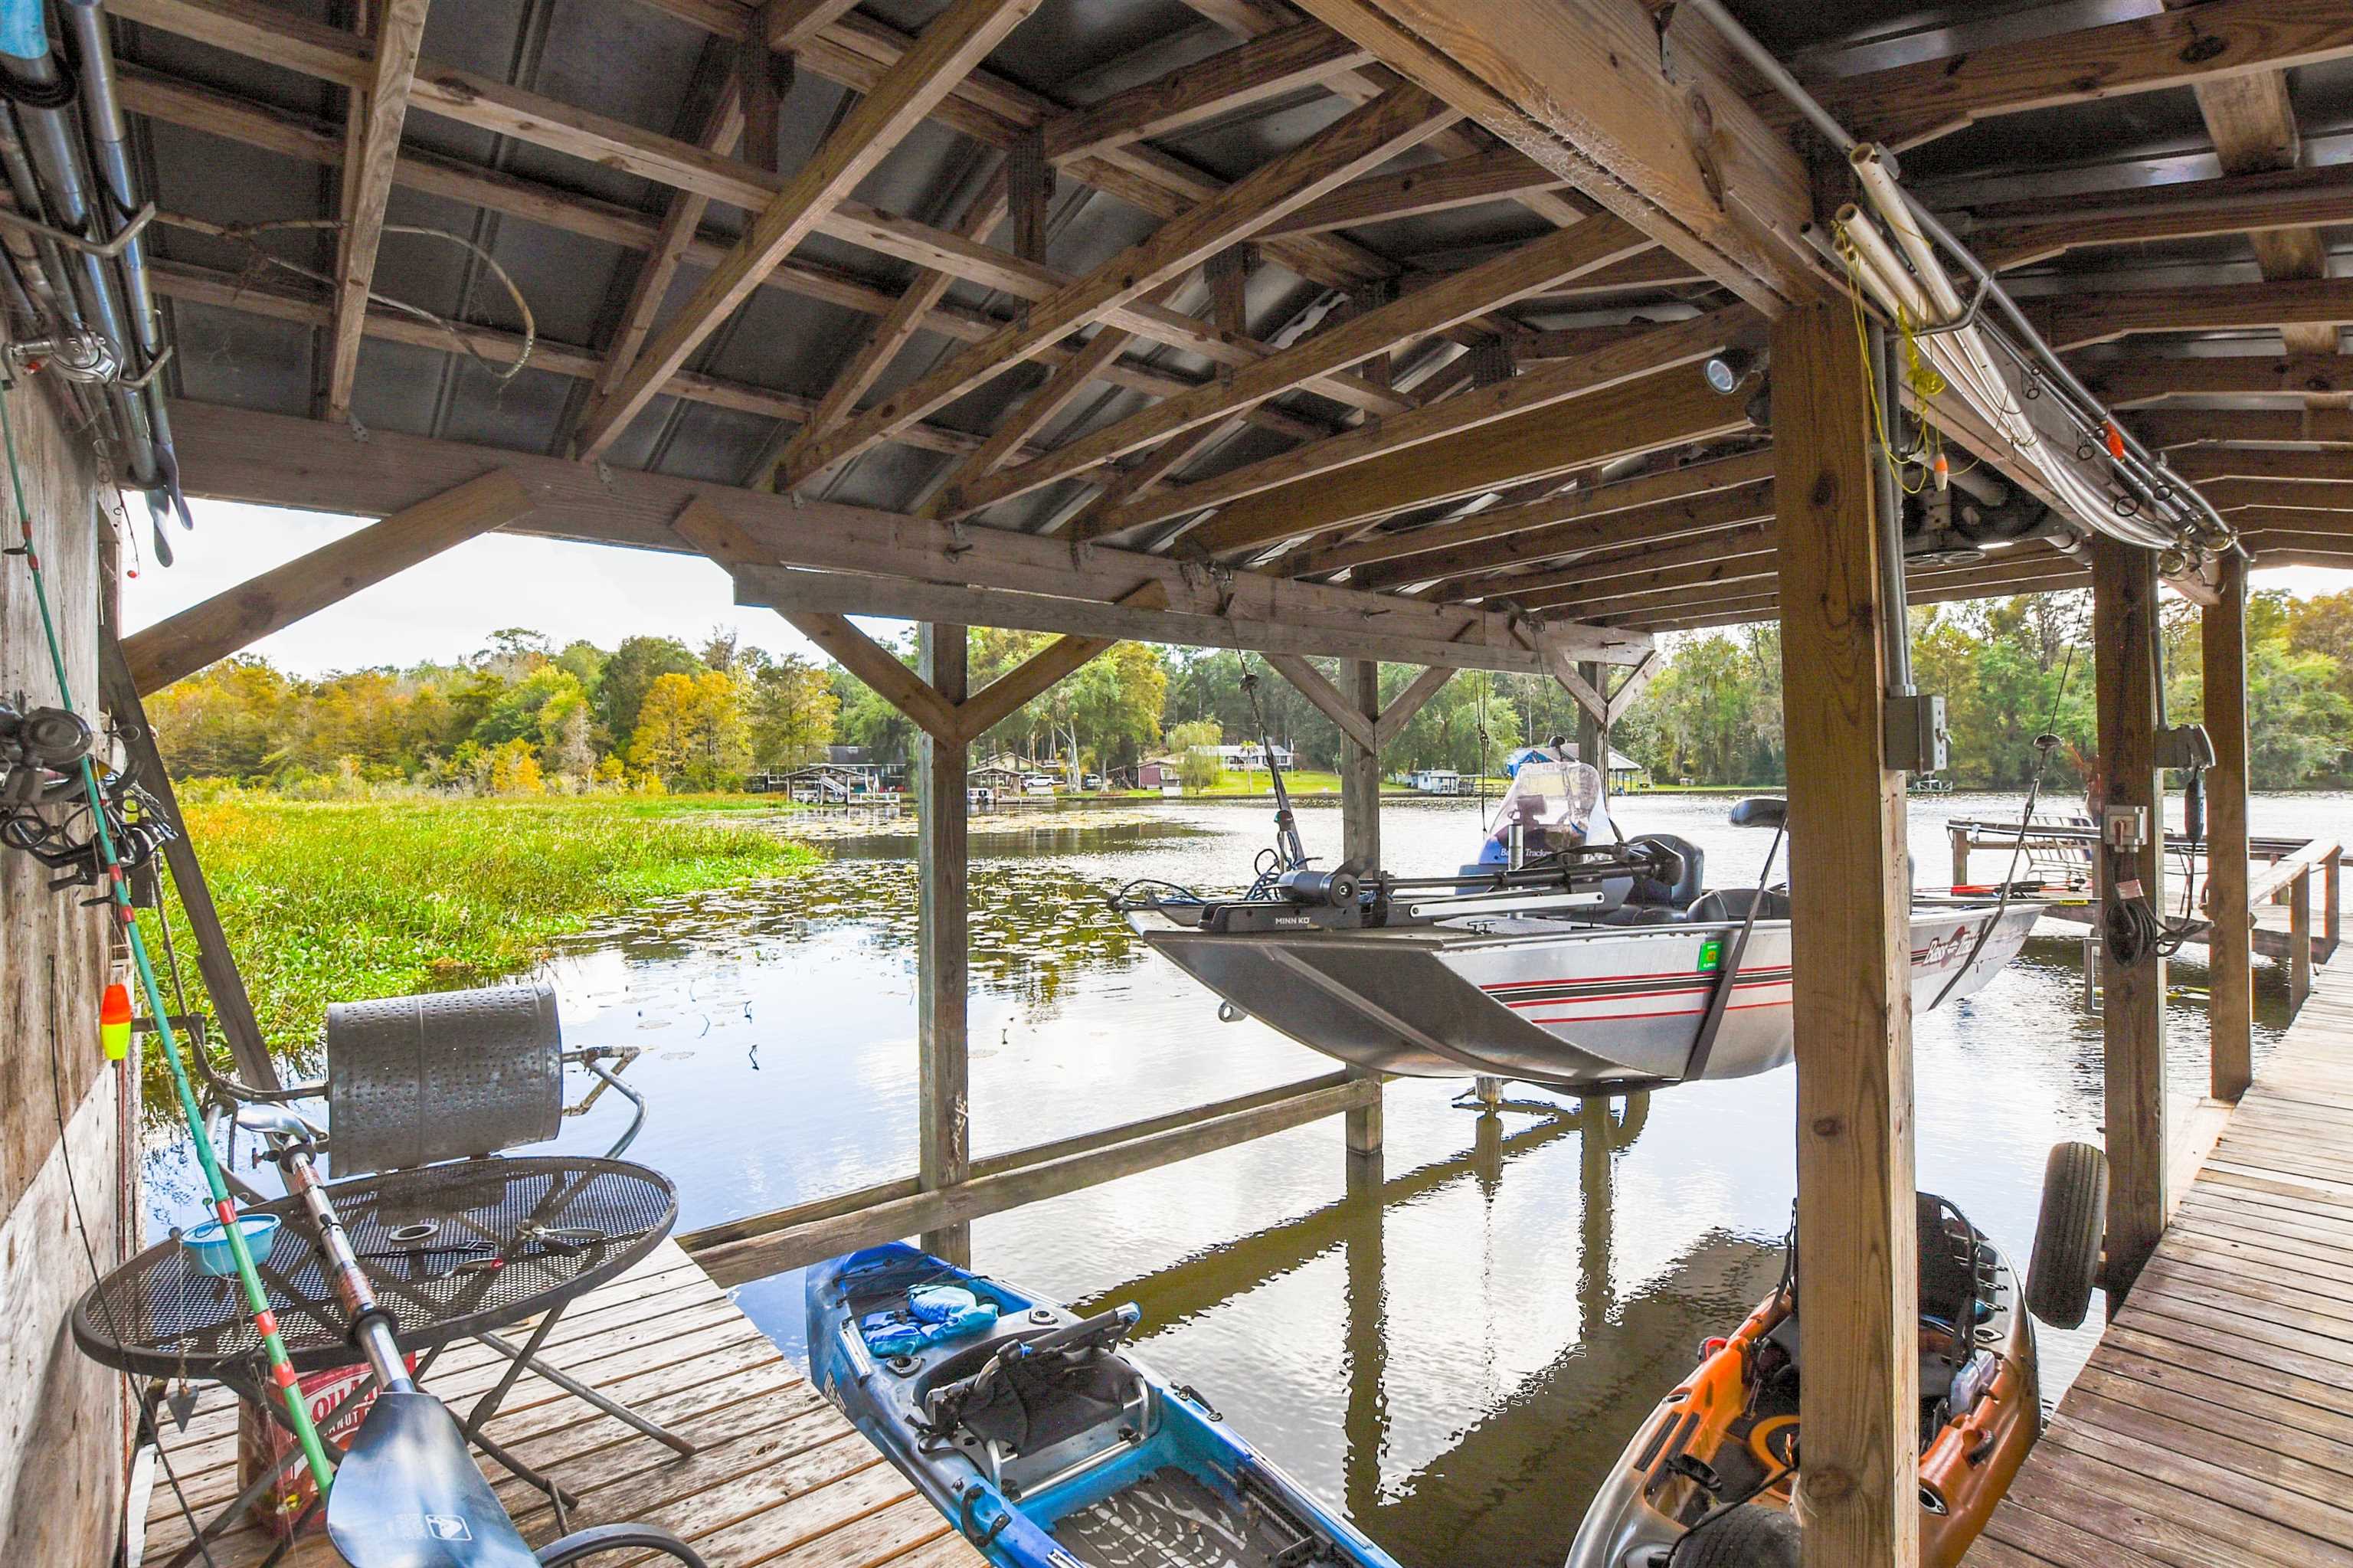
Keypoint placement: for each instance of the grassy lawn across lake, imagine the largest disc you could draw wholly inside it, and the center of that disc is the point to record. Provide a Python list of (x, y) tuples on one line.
[(334, 901)]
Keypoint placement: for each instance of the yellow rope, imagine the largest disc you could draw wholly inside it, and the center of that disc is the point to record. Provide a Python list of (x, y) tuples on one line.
[(1926, 382)]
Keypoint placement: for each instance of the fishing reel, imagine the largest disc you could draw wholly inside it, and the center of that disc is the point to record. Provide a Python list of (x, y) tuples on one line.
[(39, 750), (45, 805)]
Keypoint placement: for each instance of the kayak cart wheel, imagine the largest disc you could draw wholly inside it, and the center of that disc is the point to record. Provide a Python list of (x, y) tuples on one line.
[(2068, 1234), (1745, 1537)]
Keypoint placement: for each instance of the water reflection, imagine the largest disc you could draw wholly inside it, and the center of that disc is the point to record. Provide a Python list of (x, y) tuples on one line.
[(1456, 1346)]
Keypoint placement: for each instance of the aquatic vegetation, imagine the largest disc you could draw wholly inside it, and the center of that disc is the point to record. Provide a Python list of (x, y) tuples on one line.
[(332, 901)]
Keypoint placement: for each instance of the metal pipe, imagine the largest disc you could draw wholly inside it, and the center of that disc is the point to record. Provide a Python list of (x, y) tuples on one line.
[(42, 94), (1895, 623), (2146, 471), (118, 201)]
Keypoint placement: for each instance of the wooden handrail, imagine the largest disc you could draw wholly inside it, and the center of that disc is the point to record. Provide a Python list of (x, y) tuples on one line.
[(2294, 866)]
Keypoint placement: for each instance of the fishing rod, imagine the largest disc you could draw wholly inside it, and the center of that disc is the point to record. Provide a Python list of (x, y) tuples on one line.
[(118, 898), (1290, 854)]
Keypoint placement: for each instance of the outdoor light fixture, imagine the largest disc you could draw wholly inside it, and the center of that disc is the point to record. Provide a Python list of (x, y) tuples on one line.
[(1726, 371)]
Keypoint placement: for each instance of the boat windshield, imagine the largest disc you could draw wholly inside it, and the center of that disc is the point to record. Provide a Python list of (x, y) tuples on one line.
[(1554, 801)]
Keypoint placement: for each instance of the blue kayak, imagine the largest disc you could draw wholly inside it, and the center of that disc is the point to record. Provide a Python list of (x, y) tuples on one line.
[(1028, 1429)]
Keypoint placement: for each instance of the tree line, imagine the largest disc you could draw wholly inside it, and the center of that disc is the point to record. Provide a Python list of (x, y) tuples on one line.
[(522, 717)]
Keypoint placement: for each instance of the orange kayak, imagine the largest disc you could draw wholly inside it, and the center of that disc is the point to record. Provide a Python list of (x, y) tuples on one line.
[(1720, 1457)]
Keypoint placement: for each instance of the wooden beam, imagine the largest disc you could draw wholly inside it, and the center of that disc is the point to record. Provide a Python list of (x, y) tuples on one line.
[(1359, 727), (910, 314), (942, 944), (2253, 122), (2016, 234), (1850, 960), (1469, 180), (856, 51), (1913, 103), (682, 222), (224, 983), (2149, 378), (738, 1262), (1407, 702), (2222, 647), (368, 164), (1706, 514), (1668, 484), (1038, 674), (1583, 88), (1360, 141), (1722, 556), (2132, 996), (1664, 409), (1013, 428), (1269, 65), (847, 646), (2077, 321), (1452, 300), (277, 599), (2169, 426), (242, 455), (2283, 495), (950, 47), (2203, 465), (924, 247)]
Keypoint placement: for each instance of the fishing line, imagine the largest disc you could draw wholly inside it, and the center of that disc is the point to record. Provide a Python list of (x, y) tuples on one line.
[(2044, 744), (118, 895), (97, 1276)]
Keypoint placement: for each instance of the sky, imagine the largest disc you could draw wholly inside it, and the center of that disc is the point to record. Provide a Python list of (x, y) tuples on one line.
[(445, 609)]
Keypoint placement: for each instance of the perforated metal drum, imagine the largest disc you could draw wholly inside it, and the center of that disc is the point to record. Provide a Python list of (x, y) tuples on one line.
[(415, 1079)]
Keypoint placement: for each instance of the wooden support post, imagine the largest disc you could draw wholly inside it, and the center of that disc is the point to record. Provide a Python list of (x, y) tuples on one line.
[(1360, 838), (1859, 1291), (2132, 1008), (1960, 857), (232, 1009), (278, 598), (942, 954), (2332, 877), (2299, 943), (2223, 631), (1592, 734)]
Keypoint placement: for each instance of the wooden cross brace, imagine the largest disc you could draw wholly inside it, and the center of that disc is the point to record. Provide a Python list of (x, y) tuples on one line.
[(1606, 710), (1371, 734), (718, 536)]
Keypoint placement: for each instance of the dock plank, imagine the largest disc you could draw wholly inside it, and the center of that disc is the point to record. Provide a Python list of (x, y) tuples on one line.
[(781, 1478), (2213, 1422)]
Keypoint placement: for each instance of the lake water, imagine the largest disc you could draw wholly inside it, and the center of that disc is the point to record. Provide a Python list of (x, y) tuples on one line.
[(1457, 1357)]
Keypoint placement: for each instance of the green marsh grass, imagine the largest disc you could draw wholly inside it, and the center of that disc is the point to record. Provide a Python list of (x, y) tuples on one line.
[(332, 901)]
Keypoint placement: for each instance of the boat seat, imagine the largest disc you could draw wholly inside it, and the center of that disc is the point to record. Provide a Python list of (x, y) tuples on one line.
[(1726, 904), (1685, 888), (1037, 1401)]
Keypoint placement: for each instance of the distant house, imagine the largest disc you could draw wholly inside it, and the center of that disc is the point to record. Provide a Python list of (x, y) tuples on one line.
[(1439, 781), (1249, 754), (1001, 777), (1159, 772), (820, 783), (1625, 773)]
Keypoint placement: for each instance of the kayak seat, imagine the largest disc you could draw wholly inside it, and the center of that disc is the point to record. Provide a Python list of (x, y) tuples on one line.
[(1031, 1405), (1683, 889), (1726, 904)]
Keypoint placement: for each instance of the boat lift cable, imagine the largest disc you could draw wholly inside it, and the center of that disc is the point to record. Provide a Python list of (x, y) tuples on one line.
[(2044, 744), (118, 897), (2139, 469)]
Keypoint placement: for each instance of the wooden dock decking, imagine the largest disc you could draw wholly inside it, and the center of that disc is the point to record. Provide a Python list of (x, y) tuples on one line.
[(2213, 1425), (781, 1481)]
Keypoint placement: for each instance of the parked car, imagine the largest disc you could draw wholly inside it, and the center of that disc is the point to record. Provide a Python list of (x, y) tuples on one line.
[(1092, 781), (1037, 784)]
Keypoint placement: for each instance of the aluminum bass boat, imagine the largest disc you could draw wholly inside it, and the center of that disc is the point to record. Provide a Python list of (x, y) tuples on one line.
[(1588, 967)]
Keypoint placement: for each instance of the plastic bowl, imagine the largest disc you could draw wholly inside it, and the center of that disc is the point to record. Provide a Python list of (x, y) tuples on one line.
[(207, 1244)]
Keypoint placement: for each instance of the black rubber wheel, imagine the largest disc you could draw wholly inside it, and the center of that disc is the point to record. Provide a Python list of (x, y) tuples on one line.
[(1751, 1536), (2068, 1234)]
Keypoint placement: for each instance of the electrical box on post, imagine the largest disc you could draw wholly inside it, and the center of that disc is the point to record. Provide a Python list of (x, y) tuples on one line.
[(1917, 741), (2125, 828)]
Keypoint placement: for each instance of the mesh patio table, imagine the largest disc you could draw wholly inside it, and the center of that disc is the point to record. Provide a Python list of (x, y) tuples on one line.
[(455, 1251)]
